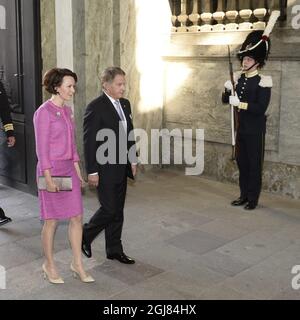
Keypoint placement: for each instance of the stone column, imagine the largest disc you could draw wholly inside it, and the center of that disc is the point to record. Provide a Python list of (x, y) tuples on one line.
[(71, 53), (64, 33), (245, 14), (79, 66), (275, 4), (244, 4), (102, 29), (116, 33), (48, 37), (194, 17), (257, 4), (231, 15), (206, 6), (174, 17), (182, 18), (219, 16), (206, 15)]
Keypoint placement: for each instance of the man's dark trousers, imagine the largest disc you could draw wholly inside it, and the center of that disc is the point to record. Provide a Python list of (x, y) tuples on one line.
[(109, 216)]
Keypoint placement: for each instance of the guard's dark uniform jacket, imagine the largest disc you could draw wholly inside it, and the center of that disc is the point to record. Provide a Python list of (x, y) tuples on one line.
[(5, 112), (254, 93)]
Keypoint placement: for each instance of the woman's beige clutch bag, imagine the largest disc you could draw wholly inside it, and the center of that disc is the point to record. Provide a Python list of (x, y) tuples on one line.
[(63, 183)]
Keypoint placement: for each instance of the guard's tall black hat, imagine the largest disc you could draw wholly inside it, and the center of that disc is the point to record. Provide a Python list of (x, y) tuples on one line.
[(255, 48), (257, 44)]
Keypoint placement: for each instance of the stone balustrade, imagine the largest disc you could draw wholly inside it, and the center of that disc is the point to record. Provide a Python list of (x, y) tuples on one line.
[(219, 15)]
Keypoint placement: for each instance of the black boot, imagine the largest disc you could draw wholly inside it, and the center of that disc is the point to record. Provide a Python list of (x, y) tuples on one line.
[(239, 202), (3, 218), (250, 205)]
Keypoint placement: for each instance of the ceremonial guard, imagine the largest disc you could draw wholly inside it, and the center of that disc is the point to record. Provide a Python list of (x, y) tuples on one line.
[(250, 94), (9, 131)]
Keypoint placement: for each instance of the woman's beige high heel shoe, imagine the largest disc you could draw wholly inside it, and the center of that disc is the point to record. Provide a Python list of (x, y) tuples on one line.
[(51, 280), (87, 279)]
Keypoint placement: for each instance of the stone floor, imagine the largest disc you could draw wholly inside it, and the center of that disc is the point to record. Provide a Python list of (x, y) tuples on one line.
[(188, 242)]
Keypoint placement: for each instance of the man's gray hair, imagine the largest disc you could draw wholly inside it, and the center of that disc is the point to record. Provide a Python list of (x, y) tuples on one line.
[(110, 73)]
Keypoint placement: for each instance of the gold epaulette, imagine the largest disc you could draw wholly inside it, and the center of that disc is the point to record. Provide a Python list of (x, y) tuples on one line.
[(8, 127)]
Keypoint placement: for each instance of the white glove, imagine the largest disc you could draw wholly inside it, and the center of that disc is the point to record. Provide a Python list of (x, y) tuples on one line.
[(234, 101), (228, 85)]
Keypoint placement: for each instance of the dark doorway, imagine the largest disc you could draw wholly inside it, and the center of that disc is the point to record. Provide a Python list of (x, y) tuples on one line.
[(20, 65)]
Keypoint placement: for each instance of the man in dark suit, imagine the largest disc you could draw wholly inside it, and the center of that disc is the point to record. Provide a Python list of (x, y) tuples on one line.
[(9, 131), (110, 111)]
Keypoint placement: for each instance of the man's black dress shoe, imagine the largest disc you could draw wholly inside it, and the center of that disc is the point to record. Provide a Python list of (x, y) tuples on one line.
[(86, 248), (239, 202), (121, 257), (250, 206), (4, 220)]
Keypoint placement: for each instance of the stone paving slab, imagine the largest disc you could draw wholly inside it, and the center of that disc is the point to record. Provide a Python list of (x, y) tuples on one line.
[(20, 230), (168, 257), (222, 263), (129, 274), (224, 228), (168, 285), (74, 289), (197, 241), (223, 292), (254, 247), (261, 281), (13, 255)]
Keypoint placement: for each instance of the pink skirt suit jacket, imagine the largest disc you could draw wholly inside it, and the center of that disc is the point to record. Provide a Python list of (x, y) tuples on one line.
[(56, 150)]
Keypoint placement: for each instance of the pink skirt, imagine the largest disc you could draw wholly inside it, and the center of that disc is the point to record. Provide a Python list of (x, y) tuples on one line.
[(64, 204)]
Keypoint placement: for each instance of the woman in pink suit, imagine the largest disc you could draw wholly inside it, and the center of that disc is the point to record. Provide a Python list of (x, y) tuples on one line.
[(57, 156)]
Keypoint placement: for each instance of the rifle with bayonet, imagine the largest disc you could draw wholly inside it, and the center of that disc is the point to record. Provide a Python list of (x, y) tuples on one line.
[(234, 115)]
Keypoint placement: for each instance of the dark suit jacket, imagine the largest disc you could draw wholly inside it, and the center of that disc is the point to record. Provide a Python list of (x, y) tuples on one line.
[(101, 114)]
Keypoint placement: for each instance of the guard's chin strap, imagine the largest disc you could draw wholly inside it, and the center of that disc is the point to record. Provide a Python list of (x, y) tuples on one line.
[(251, 66)]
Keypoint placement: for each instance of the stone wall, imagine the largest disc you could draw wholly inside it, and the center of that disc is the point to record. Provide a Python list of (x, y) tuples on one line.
[(176, 83), (145, 27), (48, 36), (193, 80), (192, 100), (99, 42), (144, 34)]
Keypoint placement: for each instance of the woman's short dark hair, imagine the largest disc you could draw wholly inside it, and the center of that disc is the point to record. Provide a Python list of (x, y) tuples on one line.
[(53, 78), (109, 74)]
